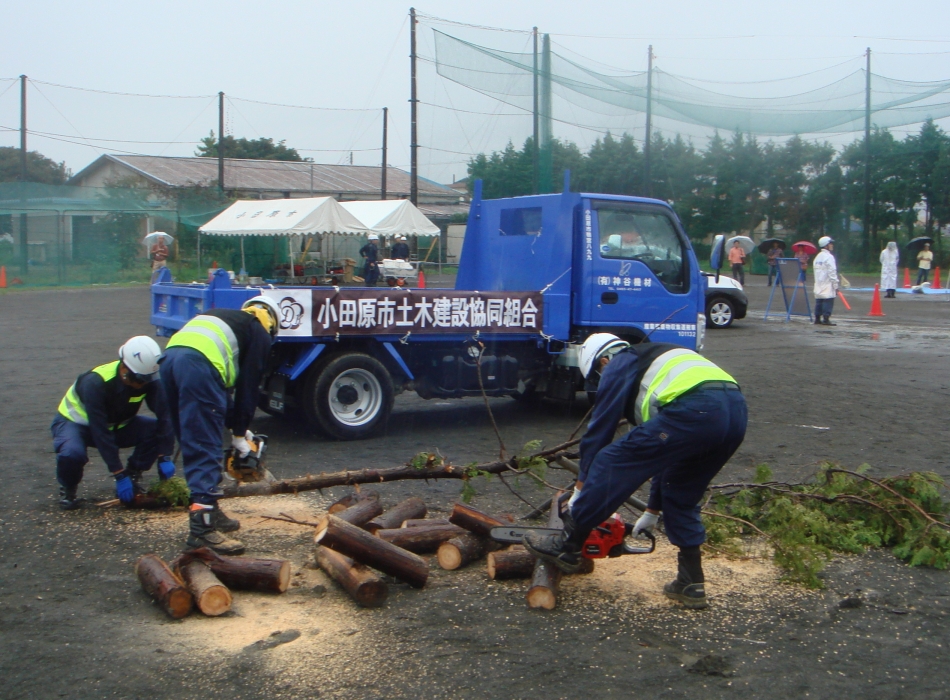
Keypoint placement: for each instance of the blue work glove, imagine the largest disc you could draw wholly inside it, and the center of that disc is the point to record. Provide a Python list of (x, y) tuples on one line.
[(124, 488), (166, 468)]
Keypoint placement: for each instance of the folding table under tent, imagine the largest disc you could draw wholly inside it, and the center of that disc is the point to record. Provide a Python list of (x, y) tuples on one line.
[(284, 217)]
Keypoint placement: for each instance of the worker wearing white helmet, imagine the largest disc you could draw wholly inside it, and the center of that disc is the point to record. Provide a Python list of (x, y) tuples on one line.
[(216, 353), (826, 281), (401, 249), (688, 418), (101, 410), (370, 255)]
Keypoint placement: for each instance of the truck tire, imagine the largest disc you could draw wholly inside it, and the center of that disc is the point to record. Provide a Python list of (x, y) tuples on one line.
[(348, 397), (720, 312)]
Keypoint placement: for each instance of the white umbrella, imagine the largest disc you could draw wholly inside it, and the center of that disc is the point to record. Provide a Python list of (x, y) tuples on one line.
[(156, 236), (748, 245)]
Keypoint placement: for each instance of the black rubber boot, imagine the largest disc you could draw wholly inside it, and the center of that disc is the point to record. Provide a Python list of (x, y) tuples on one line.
[(829, 322), (563, 549), (68, 499), (689, 586), (221, 522), (202, 533)]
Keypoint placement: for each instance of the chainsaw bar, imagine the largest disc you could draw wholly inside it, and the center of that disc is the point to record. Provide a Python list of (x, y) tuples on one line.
[(515, 535)]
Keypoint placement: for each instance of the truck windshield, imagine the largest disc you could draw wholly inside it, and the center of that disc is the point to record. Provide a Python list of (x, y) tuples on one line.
[(630, 232)]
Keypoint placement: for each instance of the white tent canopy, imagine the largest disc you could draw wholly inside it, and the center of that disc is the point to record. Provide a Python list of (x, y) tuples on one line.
[(392, 217), (284, 217)]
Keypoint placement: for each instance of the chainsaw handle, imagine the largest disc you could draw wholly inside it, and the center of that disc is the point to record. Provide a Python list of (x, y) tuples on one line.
[(629, 549)]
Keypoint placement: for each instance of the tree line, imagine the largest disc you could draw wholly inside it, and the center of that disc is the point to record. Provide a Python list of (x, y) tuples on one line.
[(798, 189)]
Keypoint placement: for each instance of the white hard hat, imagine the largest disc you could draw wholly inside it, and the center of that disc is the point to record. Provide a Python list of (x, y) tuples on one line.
[(594, 348), (824, 241), (271, 306), (373, 237), (141, 355)]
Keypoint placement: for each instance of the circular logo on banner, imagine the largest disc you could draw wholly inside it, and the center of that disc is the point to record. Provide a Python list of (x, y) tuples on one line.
[(291, 313)]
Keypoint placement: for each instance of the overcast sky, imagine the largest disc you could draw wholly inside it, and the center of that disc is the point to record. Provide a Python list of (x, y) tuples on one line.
[(354, 55)]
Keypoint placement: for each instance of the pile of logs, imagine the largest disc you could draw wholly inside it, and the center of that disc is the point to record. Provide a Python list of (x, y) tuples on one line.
[(357, 536), (201, 578)]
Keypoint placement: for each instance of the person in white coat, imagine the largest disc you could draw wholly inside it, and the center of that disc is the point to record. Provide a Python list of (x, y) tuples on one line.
[(826, 281), (890, 257)]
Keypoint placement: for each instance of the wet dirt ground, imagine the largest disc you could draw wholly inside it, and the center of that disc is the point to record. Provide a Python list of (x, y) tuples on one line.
[(75, 624)]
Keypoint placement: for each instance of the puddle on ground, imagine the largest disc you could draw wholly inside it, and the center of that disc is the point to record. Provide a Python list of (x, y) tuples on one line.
[(863, 335)]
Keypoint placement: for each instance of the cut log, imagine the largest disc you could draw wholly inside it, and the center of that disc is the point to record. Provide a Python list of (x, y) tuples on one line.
[(514, 562), (363, 586), (372, 551), (242, 573), (460, 551), (361, 513), (414, 522), (421, 539), (410, 509), (351, 499), (211, 596), (160, 582), (473, 520), (546, 579)]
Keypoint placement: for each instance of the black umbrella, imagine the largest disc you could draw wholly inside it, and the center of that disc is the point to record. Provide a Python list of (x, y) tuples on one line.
[(766, 245), (919, 242)]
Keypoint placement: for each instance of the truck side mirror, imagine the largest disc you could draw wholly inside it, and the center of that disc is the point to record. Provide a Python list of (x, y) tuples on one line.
[(718, 253)]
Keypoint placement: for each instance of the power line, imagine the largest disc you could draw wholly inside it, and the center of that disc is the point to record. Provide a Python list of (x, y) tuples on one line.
[(123, 94), (319, 109)]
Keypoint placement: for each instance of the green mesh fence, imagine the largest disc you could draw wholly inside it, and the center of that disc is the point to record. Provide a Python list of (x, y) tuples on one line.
[(838, 107)]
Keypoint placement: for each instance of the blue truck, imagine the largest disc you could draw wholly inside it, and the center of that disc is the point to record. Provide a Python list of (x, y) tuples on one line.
[(537, 275)]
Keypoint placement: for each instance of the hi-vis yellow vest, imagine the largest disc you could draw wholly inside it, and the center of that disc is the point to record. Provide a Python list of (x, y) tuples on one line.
[(214, 339), (71, 406), (671, 375)]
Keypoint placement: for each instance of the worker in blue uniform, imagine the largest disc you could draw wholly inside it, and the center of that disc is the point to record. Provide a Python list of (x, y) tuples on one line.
[(688, 417), (214, 353), (101, 410), (370, 255), (401, 249)]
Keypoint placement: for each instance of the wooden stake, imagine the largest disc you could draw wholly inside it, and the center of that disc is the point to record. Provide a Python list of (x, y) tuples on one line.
[(211, 596), (460, 551), (160, 582), (363, 586), (410, 509), (372, 551), (422, 538)]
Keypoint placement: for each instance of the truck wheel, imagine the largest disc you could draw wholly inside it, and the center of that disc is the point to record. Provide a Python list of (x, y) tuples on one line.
[(719, 313), (349, 397)]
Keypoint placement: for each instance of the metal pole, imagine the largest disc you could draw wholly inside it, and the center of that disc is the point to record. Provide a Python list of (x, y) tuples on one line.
[(221, 141), (382, 174), (311, 179), (647, 151), (413, 137), (866, 244), (537, 147), (24, 230)]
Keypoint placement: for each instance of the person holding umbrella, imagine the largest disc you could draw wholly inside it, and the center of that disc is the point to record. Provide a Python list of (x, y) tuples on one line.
[(803, 251), (924, 259), (775, 252), (737, 258), (826, 281), (890, 257)]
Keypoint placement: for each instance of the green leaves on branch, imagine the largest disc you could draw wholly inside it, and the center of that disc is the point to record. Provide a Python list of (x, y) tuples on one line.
[(173, 491), (840, 511)]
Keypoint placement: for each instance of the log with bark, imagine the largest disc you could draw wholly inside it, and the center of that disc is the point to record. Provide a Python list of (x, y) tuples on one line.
[(413, 522), (372, 551), (313, 482), (363, 586), (242, 573), (351, 499), (410, 509), (361, 513), (514, 562), (474, 521), (546, 579), (211, 596), (460, 551), (421, 539), (160, 582)]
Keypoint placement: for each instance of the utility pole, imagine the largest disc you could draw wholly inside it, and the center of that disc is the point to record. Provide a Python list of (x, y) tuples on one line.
[(221, 141), (413, 136), (382, 174), (866, 244), (24, 232), (537, 147), (647, 150)]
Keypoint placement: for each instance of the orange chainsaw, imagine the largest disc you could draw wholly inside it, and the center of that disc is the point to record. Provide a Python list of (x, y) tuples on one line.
[(251, 467), (606, 540)]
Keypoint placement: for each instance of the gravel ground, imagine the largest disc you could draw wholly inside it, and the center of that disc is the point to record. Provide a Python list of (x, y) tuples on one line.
[(75, 623)]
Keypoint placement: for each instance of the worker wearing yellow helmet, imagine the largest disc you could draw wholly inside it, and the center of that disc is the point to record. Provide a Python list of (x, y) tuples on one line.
[(216, 353)]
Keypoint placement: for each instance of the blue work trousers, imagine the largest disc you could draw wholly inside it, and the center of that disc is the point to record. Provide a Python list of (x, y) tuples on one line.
[(824, 307), (681, 449), (72, 442), (197, 403)]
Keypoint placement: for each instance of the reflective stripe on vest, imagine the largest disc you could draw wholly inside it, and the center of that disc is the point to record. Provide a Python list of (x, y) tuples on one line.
[(71, 406), (670, 376), (214, 339)]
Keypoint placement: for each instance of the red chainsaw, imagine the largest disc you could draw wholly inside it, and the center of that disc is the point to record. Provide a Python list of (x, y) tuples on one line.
[(606, 540)]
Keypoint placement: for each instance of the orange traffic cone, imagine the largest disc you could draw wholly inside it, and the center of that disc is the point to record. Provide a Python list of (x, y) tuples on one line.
[(422, 279), (876, 302), (3, 277), (906, 278), (936, 284)]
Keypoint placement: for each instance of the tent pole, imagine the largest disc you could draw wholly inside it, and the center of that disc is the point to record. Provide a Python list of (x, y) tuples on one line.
[(290, 252), (199, 252), (243, 266)]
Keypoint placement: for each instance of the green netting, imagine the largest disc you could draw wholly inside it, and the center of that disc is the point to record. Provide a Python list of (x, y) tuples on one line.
[(838, 107)]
